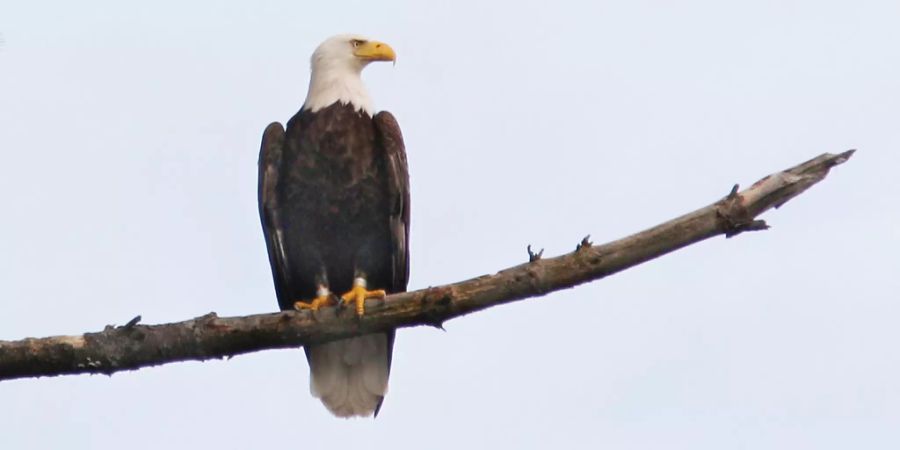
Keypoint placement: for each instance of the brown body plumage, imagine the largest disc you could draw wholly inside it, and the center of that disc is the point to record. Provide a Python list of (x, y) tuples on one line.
[(334, 203)]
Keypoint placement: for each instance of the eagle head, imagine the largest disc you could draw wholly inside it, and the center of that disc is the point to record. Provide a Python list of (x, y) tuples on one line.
[(350, 52), (337, 66)]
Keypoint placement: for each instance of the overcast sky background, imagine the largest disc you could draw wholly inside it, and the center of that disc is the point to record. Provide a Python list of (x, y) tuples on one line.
[(128, 145)]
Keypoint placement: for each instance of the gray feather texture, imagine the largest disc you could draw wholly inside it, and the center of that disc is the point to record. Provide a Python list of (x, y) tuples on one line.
[(350, 376)]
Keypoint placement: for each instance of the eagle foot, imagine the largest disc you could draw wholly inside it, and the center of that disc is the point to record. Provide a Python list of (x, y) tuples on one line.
[(323, 298), (359, 295)]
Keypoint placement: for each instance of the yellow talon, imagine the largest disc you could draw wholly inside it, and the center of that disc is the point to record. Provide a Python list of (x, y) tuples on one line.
[(359, 294), (322, 299)]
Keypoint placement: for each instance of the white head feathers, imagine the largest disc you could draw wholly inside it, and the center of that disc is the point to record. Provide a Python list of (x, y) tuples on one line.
[(337, 66)]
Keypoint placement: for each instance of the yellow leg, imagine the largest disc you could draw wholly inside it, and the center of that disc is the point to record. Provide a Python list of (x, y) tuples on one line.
[(323, 298), (359, 294)]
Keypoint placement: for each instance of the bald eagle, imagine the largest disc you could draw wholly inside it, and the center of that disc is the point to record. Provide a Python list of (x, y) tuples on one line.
[(334, 205)]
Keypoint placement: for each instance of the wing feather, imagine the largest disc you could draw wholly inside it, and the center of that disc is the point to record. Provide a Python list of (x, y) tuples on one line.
[(269, 171), (391, 140)]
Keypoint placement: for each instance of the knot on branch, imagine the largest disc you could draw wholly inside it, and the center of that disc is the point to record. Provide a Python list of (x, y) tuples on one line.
[(733, 216), (584, 244), (532, 256), (209, 321), (442, 297)]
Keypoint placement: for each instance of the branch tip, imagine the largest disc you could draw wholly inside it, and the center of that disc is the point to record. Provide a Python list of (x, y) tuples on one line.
[(844, 156)]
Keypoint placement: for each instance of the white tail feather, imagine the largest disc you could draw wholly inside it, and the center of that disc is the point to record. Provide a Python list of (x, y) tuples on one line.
[(350, 376)]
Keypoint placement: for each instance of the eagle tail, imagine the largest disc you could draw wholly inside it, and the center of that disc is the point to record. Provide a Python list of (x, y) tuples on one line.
[(350, 376)]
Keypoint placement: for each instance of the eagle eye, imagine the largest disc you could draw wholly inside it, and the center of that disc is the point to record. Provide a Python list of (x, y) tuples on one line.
[(357, 42)]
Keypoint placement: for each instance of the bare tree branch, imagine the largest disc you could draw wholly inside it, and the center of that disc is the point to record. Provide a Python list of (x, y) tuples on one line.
[(134, 346)]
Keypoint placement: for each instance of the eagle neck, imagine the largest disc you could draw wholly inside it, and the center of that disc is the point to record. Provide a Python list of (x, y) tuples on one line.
[(330, 85)]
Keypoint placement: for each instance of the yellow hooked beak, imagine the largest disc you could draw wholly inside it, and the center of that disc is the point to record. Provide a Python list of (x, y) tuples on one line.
[(374, 51)]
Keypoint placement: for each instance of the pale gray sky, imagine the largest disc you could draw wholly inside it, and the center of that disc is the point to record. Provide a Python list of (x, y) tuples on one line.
[(128, 146)]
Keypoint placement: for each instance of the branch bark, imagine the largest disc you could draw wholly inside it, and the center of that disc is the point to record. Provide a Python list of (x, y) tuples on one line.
[(133, 346)]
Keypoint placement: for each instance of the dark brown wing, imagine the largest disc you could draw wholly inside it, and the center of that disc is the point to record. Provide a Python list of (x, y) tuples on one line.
[(391, 140), (269, 170)]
